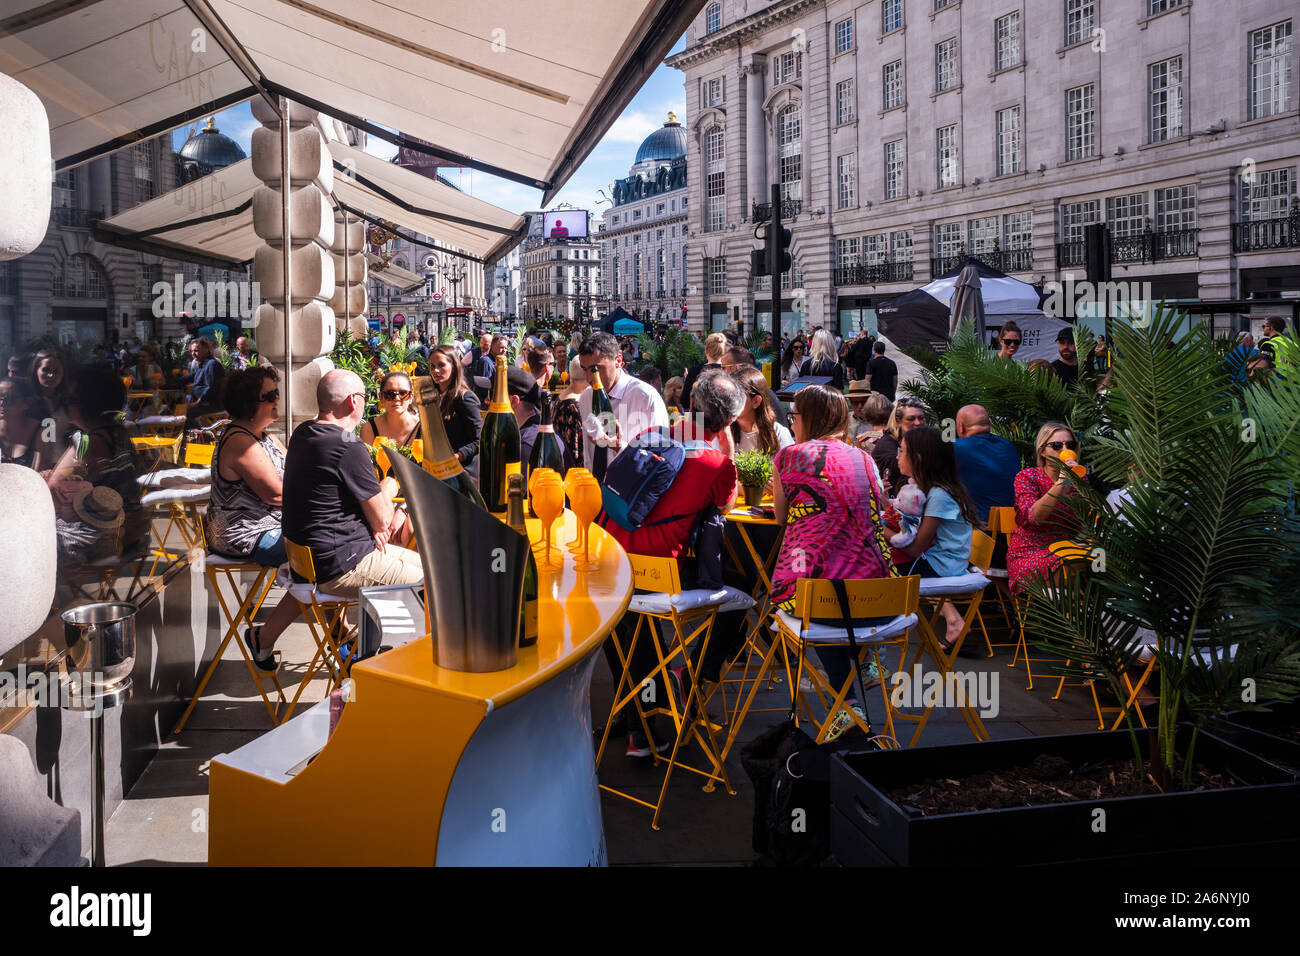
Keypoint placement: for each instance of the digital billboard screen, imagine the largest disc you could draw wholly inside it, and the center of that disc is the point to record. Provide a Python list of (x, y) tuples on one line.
[(565, 224)]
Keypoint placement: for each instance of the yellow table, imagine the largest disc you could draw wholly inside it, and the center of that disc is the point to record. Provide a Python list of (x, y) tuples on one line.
[(166, 446), (429, 765)]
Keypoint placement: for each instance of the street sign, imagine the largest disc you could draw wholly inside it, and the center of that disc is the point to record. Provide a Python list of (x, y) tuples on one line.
[(437, 297)]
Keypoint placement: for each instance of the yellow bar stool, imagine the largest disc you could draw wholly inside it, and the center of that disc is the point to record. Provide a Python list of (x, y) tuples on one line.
[(691, 615), (325, 615), (248, 603)]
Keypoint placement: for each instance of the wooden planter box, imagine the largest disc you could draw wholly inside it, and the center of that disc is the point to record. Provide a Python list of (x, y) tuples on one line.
[(1256, 732), (1254, 823)]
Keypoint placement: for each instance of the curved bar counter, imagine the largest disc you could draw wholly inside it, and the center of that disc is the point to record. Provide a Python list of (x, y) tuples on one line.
[(428, 765)]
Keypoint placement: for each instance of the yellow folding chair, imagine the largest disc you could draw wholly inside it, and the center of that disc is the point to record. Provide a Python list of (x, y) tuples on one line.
[(691, 615), (1002, 522), (816, 599), (326, 619)]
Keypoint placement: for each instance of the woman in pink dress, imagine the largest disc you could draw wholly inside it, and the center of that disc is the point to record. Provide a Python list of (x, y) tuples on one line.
[(1042, 516)]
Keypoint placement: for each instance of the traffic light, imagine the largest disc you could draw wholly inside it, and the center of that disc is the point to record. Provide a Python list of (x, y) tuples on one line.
[(778, 244), (758, 262)]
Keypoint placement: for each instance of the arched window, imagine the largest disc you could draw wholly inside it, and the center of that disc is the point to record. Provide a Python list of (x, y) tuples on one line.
[(789, 128), (713, 18), (80, 278), (715, 179)]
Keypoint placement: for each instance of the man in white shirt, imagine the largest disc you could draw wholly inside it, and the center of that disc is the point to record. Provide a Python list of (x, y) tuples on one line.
[(636, 405)]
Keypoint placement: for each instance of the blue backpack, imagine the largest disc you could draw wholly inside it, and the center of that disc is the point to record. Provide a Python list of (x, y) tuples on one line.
[(639, 476)]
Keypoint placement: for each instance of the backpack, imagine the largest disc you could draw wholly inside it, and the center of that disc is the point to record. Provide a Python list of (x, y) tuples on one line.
[(637, 478)]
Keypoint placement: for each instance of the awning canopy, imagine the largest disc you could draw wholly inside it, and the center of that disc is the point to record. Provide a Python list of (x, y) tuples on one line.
[(524, 91), (398, 278)]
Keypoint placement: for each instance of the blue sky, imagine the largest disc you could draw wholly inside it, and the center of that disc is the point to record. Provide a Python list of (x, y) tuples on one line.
[(608, 161)]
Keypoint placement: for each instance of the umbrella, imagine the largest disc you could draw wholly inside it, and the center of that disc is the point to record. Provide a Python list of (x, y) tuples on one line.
[(967, 301)]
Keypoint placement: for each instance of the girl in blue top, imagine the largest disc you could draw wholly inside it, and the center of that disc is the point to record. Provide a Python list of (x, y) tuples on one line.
[(941, 548)]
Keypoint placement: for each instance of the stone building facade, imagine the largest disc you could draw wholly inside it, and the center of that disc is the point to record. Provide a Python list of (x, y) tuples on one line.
[(907, 133), (561, 277)]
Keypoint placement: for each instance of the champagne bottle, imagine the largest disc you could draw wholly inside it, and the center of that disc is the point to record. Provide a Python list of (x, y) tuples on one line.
[(498, 444), (515, 518), (546, 447), (603, 410), (439, 460)]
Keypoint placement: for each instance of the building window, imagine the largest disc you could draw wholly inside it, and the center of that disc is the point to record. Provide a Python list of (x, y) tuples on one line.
[(636, 275), (844, 102), (847, 252), (891, 15), (713, 91), (946, 154), (715, 180), (1126, 215), (848, 181), (144, 171), (65, 190), (1006, 31), (1080, 119), (636, 214), (659, 209), (892, 84), (1267, 195), (615, 276), (715, 271), (145, 277), (875, 250), (895, 180), (981, 235), (1017, 230), (940, 4), (1008, 127), (80, 278), (713, 18), (1075, 216), (900, 245), (945, 65), (662, 270), (790, 152), (947, 240), (787, 67), (1165, 83), (1270, 70), (1176, 209), (659, 235), (844, 36), (1160, 6), (1080, 18)]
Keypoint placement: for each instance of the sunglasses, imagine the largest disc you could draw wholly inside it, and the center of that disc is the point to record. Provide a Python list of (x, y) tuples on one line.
[(272, 396), (1058, 445), (1011, 341), (392, 394)]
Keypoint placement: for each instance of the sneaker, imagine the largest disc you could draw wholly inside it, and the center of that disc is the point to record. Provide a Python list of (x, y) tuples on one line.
[(873, 672), (842, 722), (639, 746), (264, 661)]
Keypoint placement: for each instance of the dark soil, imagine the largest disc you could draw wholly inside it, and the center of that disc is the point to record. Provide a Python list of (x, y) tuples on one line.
[(1049, 779)]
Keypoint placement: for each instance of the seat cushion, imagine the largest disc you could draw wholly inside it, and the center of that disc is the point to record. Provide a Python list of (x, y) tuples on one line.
[(998, 573), (968, 583), (659, 603), (214, 560), (302, 593), (738, 600), (175, 478), (832, 634), (166, 496), (160, 420)]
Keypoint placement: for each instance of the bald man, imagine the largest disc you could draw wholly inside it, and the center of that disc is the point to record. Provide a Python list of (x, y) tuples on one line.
[(988, 465), (334, 504)]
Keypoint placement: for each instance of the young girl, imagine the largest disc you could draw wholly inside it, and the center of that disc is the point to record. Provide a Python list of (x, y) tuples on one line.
[(941, 548)]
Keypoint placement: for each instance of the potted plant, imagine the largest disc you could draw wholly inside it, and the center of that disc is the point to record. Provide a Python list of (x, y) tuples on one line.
[(754, 470), (1199, 549)]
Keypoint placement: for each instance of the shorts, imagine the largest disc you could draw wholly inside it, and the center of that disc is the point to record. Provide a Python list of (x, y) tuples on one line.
[(269, 550)]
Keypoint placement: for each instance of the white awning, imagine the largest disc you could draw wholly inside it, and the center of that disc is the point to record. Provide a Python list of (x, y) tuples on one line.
[(523, 90), (400, 279)]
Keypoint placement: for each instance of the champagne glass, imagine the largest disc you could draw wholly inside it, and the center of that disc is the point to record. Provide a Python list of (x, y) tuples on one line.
[(572, 478), (417, 449), (548, 503), (587, 503), (381, 460)]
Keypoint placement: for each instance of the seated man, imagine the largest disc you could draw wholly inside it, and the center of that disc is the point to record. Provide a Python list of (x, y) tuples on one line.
[(334, 504), (987, 464), (706, 481), (205, 382)]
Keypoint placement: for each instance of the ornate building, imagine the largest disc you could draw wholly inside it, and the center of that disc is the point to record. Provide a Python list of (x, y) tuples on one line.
[(905, 134), (561, 277), (643, 234)]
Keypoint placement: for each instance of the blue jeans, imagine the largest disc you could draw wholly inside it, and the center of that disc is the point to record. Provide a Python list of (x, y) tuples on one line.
[(269, 551)]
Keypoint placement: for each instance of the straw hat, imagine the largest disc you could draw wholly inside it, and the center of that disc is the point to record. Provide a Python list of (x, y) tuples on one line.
[(859, 387), (101, 507)]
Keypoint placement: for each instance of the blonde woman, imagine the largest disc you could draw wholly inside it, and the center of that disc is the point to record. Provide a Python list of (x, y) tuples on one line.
[(1042, 516), (824, 360), (715, 346)]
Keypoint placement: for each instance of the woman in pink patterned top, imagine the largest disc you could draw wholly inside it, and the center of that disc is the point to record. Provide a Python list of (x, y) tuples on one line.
[(1042, 516)]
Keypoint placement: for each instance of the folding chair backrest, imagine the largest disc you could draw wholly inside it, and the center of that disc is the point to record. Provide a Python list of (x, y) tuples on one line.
[(1002, 520), (981, 550), (868, 597), (655, 574), (200, 455), (181, 409), (300, 561)]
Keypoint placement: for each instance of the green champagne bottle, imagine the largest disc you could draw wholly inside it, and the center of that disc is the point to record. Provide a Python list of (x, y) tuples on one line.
[(439, 460), (515, 518), (546, 448), (604, 411), (498, 444)]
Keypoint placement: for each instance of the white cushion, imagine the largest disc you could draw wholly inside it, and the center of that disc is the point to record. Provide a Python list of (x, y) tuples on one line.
[(302, 593), (660, 603), (738, 600), (175, 478), (967, 583), (835, 634), (161, 420), (214, 560), (1000, 573), (167, 496)]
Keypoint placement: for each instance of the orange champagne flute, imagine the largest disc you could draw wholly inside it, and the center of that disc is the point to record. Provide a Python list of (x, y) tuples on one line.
[(587, 502), (548, 503), (572, 478)]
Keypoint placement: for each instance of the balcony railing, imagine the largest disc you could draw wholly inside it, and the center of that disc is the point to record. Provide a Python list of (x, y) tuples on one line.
[(69, 216), (1141, 247), (762, 211), (1280, 233), (1015, 259), (874, 273)]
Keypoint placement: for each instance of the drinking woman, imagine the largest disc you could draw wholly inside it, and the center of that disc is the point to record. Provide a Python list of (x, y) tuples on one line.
[(461, 415)]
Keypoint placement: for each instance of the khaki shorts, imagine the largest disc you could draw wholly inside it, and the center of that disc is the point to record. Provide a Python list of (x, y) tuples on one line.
[(393, 565)]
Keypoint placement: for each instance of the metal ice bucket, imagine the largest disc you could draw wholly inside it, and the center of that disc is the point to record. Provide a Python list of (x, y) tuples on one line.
[(101, 643)]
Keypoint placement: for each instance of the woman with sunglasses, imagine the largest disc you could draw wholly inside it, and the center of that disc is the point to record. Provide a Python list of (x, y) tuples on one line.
[(908, 414), (1042, 515), (1010, 337), (461, 413), (756, 428), (792, 360), (247, 488), (397, 418)]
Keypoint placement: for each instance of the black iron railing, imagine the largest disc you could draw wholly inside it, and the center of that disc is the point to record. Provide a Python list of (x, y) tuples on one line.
[(873, 274), (762, 211), (1016, 259), (1145, 246), (1280, 233)]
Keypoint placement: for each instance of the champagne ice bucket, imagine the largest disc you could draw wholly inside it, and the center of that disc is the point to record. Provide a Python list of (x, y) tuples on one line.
[(101, 643)]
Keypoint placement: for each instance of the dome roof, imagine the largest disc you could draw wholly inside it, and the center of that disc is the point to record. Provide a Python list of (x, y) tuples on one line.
[(210, 147), (664, 144)]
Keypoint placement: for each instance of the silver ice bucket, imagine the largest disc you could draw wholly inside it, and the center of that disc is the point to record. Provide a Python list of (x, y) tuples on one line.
[(101, 644)]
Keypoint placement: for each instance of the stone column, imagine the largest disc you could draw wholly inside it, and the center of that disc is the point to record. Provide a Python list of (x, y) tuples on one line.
[(756, 180), (25, 158), (350, 274), (311, 178)]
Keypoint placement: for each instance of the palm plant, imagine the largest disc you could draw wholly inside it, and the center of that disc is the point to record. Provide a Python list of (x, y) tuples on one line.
[(400, 351), (1203, 549), (675, 352)]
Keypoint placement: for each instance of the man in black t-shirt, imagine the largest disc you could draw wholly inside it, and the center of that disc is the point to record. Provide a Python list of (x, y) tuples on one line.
[(882, 373), (1067, 366), (334, 504), (860, 354)]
